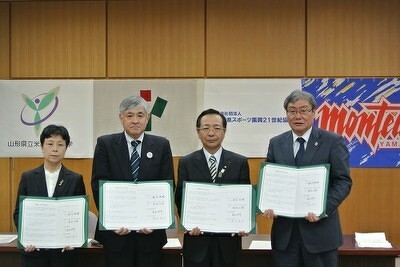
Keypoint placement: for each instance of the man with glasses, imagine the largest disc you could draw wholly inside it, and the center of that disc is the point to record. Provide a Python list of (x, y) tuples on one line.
[(309, 241), (211, 164)]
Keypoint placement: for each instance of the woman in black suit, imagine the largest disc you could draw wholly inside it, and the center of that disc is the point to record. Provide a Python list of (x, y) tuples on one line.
[(51, 179)]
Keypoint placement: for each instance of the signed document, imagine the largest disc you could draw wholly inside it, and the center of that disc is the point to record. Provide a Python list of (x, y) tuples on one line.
[(53, 222), (293, 191), (136, 205), (218, 208)]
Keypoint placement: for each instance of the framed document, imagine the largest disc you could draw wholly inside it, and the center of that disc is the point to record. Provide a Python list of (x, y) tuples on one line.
[(218, 208), (53, 222), (135, 205), (293, 191)]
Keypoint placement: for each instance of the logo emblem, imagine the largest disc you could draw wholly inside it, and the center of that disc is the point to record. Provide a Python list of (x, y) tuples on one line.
[(158, 107), (39, 108)]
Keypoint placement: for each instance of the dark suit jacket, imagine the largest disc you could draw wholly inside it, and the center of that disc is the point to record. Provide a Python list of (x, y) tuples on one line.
[(111, 162), (33, 183), (323, 147), (194, 168)]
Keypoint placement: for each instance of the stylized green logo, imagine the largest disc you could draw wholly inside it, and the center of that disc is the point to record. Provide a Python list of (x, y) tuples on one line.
[(37, 104)]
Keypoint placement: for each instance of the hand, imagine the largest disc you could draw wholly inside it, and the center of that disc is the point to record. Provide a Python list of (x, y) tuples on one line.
[(269, 214), (241, 233), (145, 231), (122, 231), (30, 248), (311, 217), (195, 231), (67, 248)]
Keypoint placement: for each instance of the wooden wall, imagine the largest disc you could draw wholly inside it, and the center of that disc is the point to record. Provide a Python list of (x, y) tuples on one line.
[(202, 39), (353, 38), (166, 38), (58, 39), (4, 40)]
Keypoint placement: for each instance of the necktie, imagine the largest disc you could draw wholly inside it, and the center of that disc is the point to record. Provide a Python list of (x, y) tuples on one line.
[(135, 159), (300, 153), (213, 167)]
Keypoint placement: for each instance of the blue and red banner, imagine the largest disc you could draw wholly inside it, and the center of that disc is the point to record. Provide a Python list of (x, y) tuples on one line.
[(366, 112)]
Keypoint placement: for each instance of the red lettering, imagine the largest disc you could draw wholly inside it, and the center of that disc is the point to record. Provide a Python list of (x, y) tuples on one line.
[(375, 121)]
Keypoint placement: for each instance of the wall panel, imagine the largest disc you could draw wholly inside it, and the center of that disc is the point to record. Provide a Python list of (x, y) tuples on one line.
[(255, 38), (373, 204), (353, 38), (5, 194), (4, 41), (58, 39), (156, 38)]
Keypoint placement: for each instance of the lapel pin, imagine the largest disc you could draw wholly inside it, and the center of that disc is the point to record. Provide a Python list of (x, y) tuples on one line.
[(61, 182), (316, 144), (221, 172), (149, 155)]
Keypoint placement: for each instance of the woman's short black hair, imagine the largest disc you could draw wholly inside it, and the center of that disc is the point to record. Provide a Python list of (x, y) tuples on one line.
[(52, 130)]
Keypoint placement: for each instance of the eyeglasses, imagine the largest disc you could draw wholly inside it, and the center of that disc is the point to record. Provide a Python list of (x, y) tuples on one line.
[(302, 112), (207, 129)]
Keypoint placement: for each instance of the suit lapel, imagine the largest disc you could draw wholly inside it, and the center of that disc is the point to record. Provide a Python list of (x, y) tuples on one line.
[(202, 166), (40, 179), (121, 152), (224, 163), (313, 145), (145, 160), (61, 182), (287, 148)]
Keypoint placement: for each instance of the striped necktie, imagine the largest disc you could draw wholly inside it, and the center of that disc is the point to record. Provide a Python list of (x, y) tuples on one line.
[(213, 167), (135, 160)]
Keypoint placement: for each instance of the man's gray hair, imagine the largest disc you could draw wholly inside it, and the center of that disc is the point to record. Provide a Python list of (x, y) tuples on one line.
[(133, 102), (298, 94)]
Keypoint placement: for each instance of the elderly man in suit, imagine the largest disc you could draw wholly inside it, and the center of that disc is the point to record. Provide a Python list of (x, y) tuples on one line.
[(51, 179), (211, 249), (309, 241), (153, 161)]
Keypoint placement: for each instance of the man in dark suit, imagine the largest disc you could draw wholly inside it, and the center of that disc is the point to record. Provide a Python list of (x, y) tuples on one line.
[(211, 249), (112, 162), (310, 241), (51, 179)]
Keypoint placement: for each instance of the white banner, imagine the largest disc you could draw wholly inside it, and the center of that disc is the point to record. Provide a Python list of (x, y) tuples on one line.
[(30, 105), (253, 108)]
